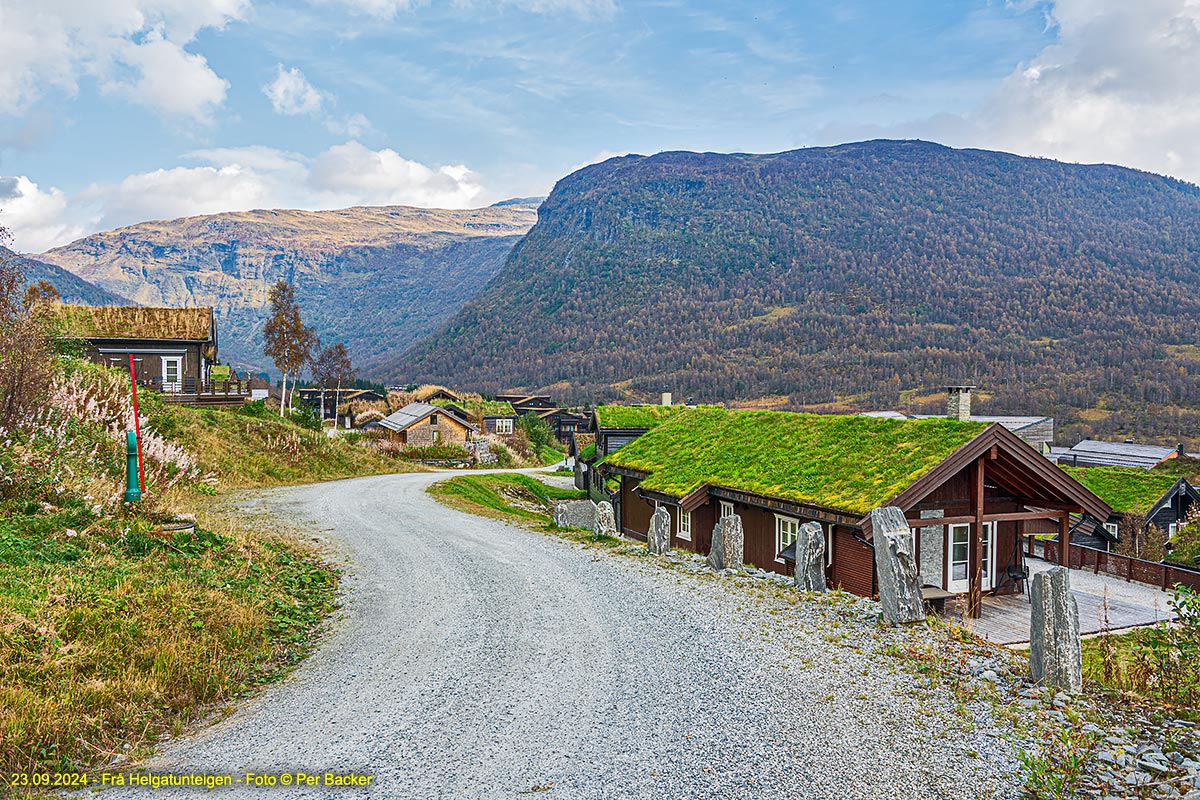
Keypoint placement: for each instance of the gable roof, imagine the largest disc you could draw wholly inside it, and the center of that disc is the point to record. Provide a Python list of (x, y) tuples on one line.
[(851, 463), (413, 413), (1094, 453), (478, 407), (135, 322), (634, 418), (1129, 490)]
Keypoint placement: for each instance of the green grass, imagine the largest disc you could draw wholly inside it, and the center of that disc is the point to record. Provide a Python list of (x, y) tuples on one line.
[(588, 453), (635, 417), (503, 496), (1128, 490), (550, 454), (481, 408), (844, 462)]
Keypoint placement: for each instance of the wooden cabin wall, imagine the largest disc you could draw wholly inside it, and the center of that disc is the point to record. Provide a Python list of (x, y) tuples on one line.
[(635, 511), (853, 566)]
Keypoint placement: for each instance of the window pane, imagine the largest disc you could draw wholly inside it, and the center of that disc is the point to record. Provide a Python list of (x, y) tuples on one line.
[(960, 551), (959, 573)]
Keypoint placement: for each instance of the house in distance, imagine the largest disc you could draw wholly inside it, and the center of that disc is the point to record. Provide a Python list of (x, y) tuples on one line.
[(425, 425)]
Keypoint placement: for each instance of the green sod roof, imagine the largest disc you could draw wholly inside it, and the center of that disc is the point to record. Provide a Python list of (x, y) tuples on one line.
[(588, 452), (849, 463), (1128, 490), (480, 408), (635, 417)]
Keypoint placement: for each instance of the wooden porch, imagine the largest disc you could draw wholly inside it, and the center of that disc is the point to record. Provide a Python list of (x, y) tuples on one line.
[(191, 392)]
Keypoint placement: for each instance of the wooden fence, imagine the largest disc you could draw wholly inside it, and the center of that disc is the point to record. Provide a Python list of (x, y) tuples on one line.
[(1153, 573)]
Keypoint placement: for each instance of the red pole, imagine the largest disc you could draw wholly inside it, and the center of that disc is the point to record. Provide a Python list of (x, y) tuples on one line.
[(137, 424)]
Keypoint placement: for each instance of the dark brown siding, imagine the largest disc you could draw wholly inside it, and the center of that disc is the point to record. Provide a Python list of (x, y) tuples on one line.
[(853, 564), (635, 511), (702, 525)]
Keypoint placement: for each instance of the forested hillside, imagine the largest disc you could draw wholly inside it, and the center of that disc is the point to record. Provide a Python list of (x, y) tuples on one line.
[(71, 288), (375, 278), (859, 276)]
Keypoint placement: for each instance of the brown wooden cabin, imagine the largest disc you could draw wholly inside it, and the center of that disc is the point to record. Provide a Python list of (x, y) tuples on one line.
[(564, 423), (174, 349), (524, 403), (424, 425), (968, 501)]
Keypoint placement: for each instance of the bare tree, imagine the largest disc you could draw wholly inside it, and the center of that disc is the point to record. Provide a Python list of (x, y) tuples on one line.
[(286, 341), (332, 370), (26, 363), (41, 292)]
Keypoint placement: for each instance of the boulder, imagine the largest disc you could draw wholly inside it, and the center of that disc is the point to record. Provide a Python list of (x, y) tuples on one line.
[(1055, 657), (575, 514), (658, 540), (605, 523), (727, 544), (899, 583), (810, 558)]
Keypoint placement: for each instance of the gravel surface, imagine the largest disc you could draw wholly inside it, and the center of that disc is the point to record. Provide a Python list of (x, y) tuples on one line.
[(474, 659)]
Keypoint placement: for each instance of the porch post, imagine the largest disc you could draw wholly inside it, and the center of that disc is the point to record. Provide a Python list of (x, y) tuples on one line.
[(1064, 539), (975, 556)]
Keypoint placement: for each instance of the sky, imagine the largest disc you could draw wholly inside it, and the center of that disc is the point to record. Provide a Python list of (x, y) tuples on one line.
[(120, 111)]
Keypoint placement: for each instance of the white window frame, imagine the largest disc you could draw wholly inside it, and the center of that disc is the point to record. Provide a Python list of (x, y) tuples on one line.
[(726, 509), (783, 521), (828, 545), (504, 427), (177, 384), (1172, 529), (685, 525), (1111, 527)]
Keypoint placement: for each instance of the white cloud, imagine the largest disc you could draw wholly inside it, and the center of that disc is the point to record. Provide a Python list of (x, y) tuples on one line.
[(233, 179), (135, 48), (291, 93), (387, 9)]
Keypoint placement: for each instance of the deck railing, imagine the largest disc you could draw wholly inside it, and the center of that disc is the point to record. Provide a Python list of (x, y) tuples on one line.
[(193, 388), (1152, 573)]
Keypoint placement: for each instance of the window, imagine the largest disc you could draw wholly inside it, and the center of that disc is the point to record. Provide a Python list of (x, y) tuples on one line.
[(1172, 529), (433, 419), (504, 426), (726, 509), (437, 436), (785, 533), (1111, 527), (685, 525)]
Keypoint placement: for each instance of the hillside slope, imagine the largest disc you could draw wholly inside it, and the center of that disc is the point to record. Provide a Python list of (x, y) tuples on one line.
[(71, 288), (375, 278), (849, 275)]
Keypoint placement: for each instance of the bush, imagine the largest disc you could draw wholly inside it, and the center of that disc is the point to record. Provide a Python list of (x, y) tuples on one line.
[(307, 417), (504, 456)]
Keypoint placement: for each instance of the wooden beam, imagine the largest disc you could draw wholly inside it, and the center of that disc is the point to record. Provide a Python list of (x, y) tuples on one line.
[(1064, 540), (1007, 516), (975, 556)]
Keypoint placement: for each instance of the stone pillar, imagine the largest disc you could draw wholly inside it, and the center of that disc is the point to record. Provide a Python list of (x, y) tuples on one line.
[(658, 540), (606, 523), (1055, 657), (895, 567), (727, 544), (810, 558)]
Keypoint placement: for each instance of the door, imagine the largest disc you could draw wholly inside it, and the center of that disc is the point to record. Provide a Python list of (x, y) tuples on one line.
[(172, 373), (958, 555)]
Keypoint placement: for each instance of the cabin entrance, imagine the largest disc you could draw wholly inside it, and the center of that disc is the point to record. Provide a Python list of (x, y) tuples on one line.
[(958, 558)]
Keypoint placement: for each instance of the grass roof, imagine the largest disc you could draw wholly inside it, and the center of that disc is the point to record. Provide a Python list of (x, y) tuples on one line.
[(850, 463), (134, 322), (588, 452), (480, 408), (1181, 467), (635, 417), (1128, 490)]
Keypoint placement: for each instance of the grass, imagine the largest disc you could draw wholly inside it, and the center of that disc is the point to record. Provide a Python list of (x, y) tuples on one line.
[(516, 498), (845, 462), (635, 417), (1128, 490)]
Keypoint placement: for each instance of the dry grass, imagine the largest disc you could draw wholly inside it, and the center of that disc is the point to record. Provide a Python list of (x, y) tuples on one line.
[(134, 322)]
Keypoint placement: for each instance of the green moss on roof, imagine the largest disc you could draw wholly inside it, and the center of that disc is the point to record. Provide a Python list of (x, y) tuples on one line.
[(850, 463), (480, 408), (1128, 490), (588, 453), (635, 417)]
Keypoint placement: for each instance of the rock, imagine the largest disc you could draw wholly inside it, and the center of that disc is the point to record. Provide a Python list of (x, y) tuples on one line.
[(899, 586), (575, 514), (605, 523), (727, 544), (810, 558), (1055, 658), (658, 540)]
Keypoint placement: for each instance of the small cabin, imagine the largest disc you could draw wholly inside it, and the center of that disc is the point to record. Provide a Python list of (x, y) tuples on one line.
[(425, 425)]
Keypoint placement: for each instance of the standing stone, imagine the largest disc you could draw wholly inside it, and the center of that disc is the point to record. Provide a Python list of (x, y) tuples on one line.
[(1055, 657), (810, 558), (658, 541), (575, 514), (606, 523), (727, 544), (899, 584)]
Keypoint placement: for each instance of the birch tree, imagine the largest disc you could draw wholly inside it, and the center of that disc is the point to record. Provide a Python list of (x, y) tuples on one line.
[(286, 340)]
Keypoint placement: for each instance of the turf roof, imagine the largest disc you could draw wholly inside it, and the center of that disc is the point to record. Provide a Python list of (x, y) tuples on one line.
[(635, 417), (849, 463), (480, 408), (134, 322), (1128, 490)]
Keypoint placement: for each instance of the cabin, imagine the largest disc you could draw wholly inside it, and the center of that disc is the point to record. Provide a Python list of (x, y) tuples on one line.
[(582, 448), (969, 489), (1141, 497), (425, 425), (429, 394), (491, 416), (174, 350), (1094, 453), (564, 423), (1037, 431), (617, 426), (328, 401), (524, 403)]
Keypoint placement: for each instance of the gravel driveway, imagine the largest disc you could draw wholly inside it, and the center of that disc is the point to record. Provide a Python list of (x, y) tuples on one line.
[(473, 659)]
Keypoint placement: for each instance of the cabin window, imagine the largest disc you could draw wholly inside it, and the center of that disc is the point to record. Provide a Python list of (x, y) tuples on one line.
[(437, 436), (1172, 529), (685, 525), (433, 419), (1111, 527), (504, 426), (785, 533), (726, 509)]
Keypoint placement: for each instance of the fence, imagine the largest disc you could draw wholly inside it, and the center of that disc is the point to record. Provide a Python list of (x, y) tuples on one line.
[(1153, 573)]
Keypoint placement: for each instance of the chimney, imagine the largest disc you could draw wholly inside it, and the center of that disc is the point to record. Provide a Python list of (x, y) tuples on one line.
[(958, 402), (1179, 450), (666, 398)]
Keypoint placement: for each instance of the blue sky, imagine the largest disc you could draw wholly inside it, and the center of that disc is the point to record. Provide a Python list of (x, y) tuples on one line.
[(128, 110)]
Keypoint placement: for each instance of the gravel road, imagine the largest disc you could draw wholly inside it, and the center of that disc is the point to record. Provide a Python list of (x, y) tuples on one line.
[(474, 659)]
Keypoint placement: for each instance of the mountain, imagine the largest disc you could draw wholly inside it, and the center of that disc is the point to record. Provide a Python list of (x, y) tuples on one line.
[(71, 289), (860, 276), (376, 278)]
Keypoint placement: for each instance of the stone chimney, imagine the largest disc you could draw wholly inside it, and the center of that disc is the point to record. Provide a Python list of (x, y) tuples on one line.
[(666, 398), (958, 402)]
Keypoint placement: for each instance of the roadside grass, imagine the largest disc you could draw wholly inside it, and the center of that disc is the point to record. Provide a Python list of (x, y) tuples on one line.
[(549, 455), (507, 496), (1147, 667), (114, 633)]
